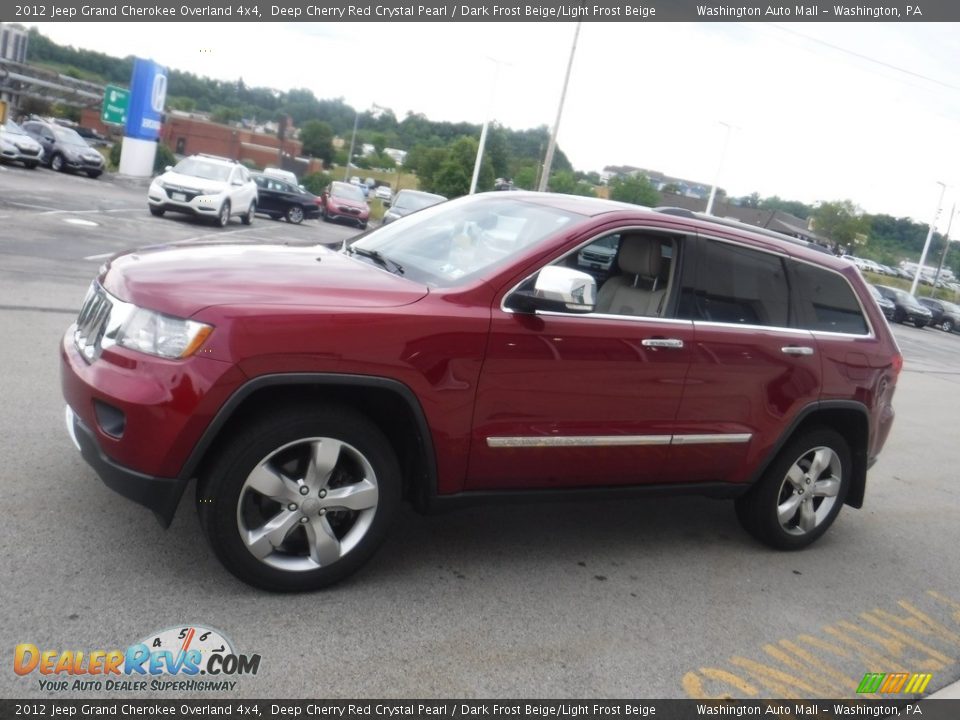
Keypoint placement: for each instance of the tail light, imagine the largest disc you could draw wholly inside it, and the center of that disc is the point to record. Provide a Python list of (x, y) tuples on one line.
[(897, 363)]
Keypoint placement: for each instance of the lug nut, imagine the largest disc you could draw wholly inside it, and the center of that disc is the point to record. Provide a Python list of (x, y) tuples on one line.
[(304, 489), (291, 507), (323, 511), (323, 493), (304, 520)]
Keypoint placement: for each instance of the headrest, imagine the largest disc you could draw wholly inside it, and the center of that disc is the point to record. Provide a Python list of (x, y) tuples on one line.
[(639, 255)]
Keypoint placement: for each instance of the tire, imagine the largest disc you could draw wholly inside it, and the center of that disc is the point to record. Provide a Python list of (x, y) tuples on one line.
[(247, 218), (57, 164), (157, 212), (295, 214), (780, 510), (947, 325), (920, 324), (324, 215), (223, 217), (311, 548), (30, 165), (899, 315), (362, 226), (94, 174)]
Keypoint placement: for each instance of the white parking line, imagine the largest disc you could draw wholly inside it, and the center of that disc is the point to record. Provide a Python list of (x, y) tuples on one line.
[(101, 256)]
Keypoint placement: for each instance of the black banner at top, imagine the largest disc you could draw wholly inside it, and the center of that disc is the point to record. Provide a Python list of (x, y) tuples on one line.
[(475, 10)]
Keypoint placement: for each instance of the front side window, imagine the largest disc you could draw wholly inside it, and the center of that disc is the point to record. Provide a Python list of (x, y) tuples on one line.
[(737, 285)]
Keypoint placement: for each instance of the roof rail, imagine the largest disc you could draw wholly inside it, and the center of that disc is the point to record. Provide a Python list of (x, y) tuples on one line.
[(729, 222), (216, 157)]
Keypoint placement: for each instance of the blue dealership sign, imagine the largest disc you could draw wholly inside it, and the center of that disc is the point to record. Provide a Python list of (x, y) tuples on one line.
[(148, 92)]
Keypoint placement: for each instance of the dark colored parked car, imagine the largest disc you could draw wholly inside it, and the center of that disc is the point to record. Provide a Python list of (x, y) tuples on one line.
[(408, 201), (345, 201), (64, 149), (463, 355), (886, 306), (279, 199), (944, 315), (906, 307)]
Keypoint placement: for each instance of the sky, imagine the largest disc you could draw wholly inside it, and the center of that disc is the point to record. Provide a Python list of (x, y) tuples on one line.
[(868, 112)]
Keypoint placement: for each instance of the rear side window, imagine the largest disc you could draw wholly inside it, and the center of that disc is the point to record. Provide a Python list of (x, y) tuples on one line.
[(827, 302), (733, 284)]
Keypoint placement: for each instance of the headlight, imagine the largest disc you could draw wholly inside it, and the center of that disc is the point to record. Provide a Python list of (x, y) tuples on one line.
[(162, 335)]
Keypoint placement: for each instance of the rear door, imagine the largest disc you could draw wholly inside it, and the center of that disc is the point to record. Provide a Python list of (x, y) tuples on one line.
[(752, 368)]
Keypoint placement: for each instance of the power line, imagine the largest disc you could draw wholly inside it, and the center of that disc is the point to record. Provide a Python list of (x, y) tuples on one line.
[(882, 63)]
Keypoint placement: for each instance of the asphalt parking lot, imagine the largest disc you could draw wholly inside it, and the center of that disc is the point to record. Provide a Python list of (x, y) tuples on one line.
[(655, 598)]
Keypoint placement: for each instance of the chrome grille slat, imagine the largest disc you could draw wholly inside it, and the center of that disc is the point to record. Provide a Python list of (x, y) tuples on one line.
[(92, 321)]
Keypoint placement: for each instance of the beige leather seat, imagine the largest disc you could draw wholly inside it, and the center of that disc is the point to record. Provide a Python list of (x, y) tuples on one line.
[(634, 291)]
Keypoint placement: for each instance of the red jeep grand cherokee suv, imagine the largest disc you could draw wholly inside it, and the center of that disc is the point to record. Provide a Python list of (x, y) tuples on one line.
[(466, 352)]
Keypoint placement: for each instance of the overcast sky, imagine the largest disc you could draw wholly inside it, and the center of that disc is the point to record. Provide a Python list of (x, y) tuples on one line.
[(823, 111)]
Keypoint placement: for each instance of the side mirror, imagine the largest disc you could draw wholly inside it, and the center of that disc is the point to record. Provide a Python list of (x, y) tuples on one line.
[(168, 168), (48, 138), (557, 289)]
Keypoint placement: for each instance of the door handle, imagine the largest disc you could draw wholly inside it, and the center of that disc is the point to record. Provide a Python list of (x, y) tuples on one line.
[(796, 350), (673, 343)]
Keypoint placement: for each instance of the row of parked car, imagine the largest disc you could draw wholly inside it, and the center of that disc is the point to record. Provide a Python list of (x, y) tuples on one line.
[(219, 188), (900, 306), (40, 142)]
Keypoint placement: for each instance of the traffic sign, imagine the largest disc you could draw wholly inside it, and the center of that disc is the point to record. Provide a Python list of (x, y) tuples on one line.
[(115, 103)]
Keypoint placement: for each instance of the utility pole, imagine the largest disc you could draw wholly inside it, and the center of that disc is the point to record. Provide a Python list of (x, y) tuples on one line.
[(353, 140), (716, 179), (548, 162), (926, 244), (946, 246), (486, 122)]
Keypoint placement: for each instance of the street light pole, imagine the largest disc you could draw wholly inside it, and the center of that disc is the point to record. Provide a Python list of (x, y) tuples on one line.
[(926, 244), (716, 179), (946, 246), (548, 161), (483, 132), (353, 140)]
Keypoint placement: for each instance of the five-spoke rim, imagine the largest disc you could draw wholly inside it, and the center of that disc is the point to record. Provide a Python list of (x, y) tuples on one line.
[(809, 490), (307, 504)]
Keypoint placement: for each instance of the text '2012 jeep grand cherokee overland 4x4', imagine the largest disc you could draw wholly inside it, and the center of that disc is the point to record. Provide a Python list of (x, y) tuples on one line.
[(466, 352)]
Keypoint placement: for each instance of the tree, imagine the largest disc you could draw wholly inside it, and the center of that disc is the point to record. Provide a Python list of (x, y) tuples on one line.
[(636, 190), (317, 139), (841, 221), (452, 178)]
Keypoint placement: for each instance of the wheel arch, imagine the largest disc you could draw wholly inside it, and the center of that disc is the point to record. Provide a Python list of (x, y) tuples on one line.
[(390, 404), (847, 417)]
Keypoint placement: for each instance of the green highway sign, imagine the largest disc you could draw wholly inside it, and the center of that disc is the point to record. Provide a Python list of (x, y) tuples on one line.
[(115, 102)]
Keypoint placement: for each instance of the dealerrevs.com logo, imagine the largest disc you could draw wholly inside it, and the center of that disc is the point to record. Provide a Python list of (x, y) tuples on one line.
[(188, 658)]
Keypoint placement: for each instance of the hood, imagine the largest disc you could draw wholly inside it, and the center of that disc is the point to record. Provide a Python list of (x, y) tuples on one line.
[(182, 280), (349, 202), (191, 182)]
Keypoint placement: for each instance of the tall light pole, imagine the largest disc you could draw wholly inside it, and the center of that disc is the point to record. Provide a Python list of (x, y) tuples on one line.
[(926, 244), (723, 155), (353, 138), (946, 246), (548, 161), (486, 122)]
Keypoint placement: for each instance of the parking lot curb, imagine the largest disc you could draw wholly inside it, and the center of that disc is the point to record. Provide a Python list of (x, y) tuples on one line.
[(129, 180)]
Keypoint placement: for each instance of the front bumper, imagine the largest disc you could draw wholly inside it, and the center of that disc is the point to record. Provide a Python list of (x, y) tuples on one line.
[(190, 204), (162, 495)]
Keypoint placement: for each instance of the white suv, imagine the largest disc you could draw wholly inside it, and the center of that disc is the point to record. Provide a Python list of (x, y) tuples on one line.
[(206, 186)]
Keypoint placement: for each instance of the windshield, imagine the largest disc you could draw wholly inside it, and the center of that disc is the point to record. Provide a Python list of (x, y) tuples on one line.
[(11, 127), (449, 244), (350, 192), (198, 167), (409, 201), (68, 136)]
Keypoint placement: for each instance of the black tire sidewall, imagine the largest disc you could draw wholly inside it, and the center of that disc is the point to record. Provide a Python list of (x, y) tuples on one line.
[(757, 509), (219, 493), (295, 215)]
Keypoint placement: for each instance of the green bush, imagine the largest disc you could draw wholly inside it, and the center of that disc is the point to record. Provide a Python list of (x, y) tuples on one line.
[(163, 158), (316, 182)]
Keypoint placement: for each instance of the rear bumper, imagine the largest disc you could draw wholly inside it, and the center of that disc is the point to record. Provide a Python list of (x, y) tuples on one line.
[(162, 495)]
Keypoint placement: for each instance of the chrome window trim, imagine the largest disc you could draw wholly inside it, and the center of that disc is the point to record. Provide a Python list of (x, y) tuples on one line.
[(779, 329), (533, 441)]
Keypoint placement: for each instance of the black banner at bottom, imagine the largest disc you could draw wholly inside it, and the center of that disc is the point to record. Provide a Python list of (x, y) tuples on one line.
[(433, 709)]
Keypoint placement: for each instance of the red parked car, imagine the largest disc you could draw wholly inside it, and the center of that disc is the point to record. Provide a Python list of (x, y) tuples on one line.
[(467, 353), (343, 201)]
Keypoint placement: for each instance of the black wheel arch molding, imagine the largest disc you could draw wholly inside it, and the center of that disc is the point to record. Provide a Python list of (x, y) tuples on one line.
[(809, 415)]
